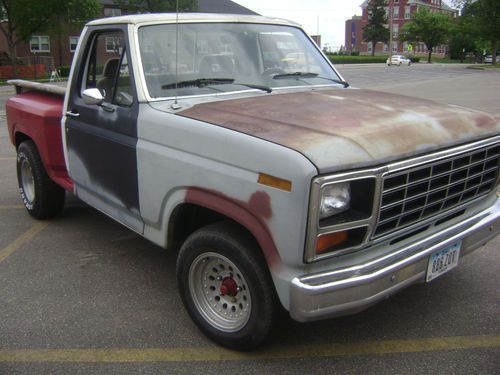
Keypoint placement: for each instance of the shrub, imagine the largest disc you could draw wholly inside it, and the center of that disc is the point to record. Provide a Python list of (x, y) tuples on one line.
[(64, 70), (415, 59), (357, 59)]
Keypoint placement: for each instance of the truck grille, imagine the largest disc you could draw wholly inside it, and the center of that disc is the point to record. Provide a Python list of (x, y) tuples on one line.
[(419, 193)]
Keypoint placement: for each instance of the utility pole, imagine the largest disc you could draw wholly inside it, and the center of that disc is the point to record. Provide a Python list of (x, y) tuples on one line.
[(391, 20)]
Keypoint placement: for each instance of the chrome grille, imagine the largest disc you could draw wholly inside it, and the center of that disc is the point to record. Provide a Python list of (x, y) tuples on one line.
[(422, 192)]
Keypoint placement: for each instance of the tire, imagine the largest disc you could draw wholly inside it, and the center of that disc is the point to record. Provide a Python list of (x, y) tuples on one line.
[(225, 286), (41, 196)]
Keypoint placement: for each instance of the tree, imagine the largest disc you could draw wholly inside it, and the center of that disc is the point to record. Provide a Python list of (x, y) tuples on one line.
[(156, 6), (375, 30), (26, 17), (486, 16), (432, 29), (463, 38)]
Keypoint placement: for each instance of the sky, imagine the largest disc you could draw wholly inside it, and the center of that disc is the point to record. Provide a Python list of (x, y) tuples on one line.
[(326, 16)]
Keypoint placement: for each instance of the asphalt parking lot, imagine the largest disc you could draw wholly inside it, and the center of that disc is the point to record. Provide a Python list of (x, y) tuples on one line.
[(81, 294)]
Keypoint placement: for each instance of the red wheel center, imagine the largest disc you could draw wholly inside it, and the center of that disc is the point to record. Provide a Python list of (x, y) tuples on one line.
[(228, 287)]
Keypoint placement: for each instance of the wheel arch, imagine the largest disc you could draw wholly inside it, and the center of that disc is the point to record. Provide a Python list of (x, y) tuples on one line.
[(20, 137), (201, 208)]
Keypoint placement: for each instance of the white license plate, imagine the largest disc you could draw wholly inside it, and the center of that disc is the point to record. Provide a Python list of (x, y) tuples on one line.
[(442, 261)]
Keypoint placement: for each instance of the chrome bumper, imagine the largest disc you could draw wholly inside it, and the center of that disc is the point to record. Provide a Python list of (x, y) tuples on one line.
[(350, 290)]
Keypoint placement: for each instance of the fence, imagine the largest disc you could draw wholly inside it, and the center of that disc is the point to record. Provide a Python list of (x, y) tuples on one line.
[(33, 67)]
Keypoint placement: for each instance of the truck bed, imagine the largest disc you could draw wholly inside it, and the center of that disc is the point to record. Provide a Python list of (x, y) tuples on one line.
[(35, 113)]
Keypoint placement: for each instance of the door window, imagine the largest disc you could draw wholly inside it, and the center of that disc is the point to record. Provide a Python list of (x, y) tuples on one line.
[(107, 69)]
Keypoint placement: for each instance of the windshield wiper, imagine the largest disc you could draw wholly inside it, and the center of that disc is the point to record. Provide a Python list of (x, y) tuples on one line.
[(343, 83), (199, 82), (202, 82), (295, 75), (308, 75)]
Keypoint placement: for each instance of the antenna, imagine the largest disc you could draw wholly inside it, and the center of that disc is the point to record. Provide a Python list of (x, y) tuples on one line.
[(176, 105)]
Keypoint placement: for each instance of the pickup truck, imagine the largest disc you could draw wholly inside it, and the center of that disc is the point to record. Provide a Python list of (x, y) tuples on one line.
[(234, 141)]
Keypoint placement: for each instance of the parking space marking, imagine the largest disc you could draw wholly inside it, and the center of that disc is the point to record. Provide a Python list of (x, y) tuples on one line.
[(11, 206), (22, 239), (8, 158), (219, 354)]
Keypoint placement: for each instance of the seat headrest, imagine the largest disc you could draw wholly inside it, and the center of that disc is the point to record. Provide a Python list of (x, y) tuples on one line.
[(111, 67)]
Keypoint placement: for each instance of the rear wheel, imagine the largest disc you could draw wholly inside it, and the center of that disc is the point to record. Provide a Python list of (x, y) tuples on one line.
[(225, 286), (42, 197)]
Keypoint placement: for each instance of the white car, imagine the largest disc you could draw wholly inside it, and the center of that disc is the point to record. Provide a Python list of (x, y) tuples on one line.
[(398, 60), (489, 59)]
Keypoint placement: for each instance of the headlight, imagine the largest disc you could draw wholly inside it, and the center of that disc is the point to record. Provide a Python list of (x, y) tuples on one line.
[(335, 198)]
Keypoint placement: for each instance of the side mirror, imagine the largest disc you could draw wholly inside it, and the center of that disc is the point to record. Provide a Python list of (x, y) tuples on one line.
[(92, 97)]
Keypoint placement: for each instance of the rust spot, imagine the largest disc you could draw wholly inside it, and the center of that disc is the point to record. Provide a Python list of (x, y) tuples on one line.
[(260, 204), (364, 126), (251, 215)]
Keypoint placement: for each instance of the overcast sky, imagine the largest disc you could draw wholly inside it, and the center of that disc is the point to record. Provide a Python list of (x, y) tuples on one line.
[(327, 16)]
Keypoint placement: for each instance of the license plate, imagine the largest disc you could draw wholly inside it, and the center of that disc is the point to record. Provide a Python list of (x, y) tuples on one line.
[(442, 261)]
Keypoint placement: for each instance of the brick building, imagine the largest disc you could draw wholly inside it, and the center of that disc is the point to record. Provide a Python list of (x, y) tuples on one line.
[(402, 11), (354, 33), (57, 50)]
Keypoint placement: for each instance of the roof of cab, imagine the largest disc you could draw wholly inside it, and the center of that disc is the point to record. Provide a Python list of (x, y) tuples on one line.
[(137, 19)]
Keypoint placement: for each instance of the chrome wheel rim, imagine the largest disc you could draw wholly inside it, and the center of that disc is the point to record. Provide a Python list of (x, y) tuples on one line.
[(220, 292), (27, 181)]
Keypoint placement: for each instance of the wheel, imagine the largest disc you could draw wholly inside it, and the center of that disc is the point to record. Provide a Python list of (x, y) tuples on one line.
[(226, 287), (42, 197)]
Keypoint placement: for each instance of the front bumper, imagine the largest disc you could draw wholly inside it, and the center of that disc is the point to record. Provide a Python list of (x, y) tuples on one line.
[(350, 290)]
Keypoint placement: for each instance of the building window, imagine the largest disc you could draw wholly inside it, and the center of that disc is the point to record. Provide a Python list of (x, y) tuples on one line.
[(394, 46), (396, 13), (370, 46), (40, 44), (73, 42), (113, 43), (407, 13), (395, 30), (112, 12)]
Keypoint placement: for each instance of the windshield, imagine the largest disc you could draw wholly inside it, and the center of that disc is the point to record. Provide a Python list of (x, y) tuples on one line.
[(225, 57)]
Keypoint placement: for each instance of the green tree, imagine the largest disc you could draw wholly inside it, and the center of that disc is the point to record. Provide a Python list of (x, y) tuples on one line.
[(376, 30), (26, 17), (156, 6), (463, 38), (486, 16), (432, 29)]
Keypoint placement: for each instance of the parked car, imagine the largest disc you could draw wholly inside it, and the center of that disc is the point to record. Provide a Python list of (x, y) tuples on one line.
[(398, 60), (489, 59), (279, 185)]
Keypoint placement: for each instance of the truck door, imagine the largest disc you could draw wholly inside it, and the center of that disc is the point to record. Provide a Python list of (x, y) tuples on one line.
[(101, 139)]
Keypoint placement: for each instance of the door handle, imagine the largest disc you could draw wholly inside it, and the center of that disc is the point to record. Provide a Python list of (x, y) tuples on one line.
[(72, 114)]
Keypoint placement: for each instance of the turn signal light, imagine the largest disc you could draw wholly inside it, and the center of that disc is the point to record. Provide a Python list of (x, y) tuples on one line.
[(274, 182), (327, 241)]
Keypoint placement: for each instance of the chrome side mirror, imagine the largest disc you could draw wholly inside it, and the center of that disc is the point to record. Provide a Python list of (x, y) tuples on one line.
[(92, 97)]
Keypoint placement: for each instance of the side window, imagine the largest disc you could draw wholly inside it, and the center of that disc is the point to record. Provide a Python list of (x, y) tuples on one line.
[(123, 92), (107, 68)]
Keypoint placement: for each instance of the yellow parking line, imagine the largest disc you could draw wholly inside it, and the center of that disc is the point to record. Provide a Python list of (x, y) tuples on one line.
[(23, 238), (11, 206), (218, 354)]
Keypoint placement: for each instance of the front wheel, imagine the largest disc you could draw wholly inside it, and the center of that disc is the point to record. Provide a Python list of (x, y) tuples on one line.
[(225, 286), (42, 197)]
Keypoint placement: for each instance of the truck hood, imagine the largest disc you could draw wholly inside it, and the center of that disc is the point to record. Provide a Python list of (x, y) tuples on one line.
[(344, 129)]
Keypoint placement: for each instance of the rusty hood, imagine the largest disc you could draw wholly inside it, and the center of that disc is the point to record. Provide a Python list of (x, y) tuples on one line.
[(344, 129)]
